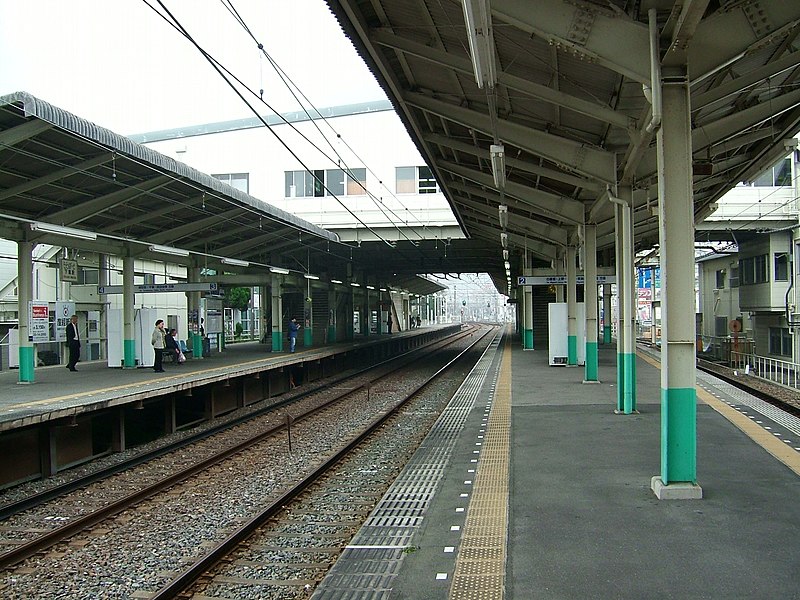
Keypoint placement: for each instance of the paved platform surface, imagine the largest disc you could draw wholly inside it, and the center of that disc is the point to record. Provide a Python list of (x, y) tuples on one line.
[(582, 519)]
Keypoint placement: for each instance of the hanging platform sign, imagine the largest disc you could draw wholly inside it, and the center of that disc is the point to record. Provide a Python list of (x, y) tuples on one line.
[(160, 288), (560, 279)]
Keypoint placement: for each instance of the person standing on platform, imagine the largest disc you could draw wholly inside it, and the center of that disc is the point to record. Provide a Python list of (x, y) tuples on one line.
[(158, 340), (73, 342), (389, 323), (293, 329)]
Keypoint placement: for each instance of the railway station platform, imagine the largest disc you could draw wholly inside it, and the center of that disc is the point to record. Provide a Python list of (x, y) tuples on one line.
[(66, 418), (544, 493)]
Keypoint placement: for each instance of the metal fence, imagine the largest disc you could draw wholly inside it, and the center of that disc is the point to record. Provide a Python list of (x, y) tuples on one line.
[(725, 350), (775, 370)]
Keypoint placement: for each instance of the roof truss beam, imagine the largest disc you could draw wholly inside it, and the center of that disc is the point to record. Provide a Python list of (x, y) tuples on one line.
[(90, 208), (546, 204), (32, 184), (452, 62), (574, 156), (593, 32), (20, 133), (515, 163)]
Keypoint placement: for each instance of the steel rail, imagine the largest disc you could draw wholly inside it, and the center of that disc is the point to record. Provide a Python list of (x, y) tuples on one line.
[(216, 555), (47, 540)]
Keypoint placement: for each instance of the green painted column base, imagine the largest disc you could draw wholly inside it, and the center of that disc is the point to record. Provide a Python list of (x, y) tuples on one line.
[(678, 435), (591, 367), (277, 341), (129, 354), (629, 375), (620, 383), (572, 350), (607, 334), (527, 339), (27, 364), (308, 337), (197, 346), (331, 334)]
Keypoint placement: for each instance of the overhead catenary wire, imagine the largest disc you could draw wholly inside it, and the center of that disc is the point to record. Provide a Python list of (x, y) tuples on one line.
[(292, 86), (222, 70), (219, 69)]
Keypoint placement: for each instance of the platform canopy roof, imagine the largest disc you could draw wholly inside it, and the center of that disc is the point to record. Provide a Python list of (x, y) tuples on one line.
[(67, 181), (565, 89)]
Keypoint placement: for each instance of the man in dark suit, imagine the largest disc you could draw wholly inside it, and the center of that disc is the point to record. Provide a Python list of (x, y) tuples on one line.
[(74, 343)]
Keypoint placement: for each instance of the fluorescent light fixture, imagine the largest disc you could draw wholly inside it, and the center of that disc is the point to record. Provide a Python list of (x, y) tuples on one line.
[(505, 254), (507, 265), (168, 250), (497, 153), (370, 287), (310, 276), (394, 291), (478, 18), (504, 240), (80, 234), (235, 262), (503, 215), (335, 281), (354, 284), (279, 270), (383, 289)]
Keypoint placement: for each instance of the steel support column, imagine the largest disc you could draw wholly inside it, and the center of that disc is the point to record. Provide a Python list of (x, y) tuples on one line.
[(277, 313), (26, 352), (128, 299), (626, 299), (527, 313), (193, 299), (590, 302), (572, 308), (620, 272), (678, 477)]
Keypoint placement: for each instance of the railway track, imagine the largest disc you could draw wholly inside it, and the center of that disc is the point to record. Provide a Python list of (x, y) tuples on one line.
[(314, 518), (308, 423)]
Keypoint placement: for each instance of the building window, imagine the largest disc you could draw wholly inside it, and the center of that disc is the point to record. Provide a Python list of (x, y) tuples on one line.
[(88, 277), (780, 342), (357, 182), (415, 180), (778, 175), (319, 183), (720, 326), (241, 181), (753, 269), (734, 277), (720, 279), (781, 266)]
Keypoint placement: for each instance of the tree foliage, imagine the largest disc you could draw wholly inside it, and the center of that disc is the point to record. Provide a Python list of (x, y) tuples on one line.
[(237, 297)]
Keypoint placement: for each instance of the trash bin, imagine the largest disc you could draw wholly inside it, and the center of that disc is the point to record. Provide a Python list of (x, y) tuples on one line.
[(206, 347)]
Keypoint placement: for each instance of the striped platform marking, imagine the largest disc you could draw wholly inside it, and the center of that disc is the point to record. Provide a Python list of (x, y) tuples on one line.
[(481, 561)]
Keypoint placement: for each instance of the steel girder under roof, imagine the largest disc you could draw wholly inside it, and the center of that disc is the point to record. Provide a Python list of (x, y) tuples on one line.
[(569, 104)]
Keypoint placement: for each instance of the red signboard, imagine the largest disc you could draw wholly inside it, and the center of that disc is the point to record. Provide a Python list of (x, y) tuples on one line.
[(40, 311)]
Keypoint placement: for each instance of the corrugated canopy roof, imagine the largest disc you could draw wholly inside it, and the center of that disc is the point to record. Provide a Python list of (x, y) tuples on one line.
[(569, 105)]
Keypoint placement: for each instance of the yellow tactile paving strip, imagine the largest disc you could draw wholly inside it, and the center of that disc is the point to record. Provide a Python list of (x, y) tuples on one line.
[(481, 562), (787, 455)]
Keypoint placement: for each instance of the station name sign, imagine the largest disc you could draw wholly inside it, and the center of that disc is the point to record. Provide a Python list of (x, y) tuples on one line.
[(560, 279), (160, 288)]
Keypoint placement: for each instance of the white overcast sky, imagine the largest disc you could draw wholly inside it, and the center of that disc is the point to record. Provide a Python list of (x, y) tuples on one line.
[(118, 64)]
